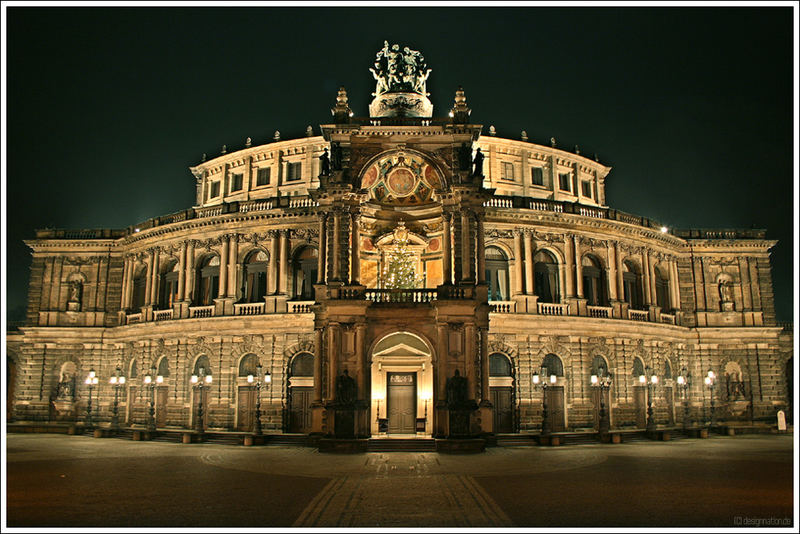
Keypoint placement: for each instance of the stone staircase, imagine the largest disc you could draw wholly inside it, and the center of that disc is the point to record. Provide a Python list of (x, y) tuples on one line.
[(515, 440), (401, 445)]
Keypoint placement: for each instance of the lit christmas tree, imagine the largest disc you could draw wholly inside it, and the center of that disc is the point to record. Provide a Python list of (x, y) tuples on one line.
[(401, 265)]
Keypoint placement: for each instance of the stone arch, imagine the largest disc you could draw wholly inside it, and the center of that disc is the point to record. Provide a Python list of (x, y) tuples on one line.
[(558, 255), (393, 329), (246, 364), (554, 345), (59, 366), (502, 245), (442, 170), (245, 251), (249, 345)]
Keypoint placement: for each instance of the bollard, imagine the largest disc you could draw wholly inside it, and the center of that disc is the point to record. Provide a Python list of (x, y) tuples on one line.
[(98, 433), (186, 437), (248, 441)]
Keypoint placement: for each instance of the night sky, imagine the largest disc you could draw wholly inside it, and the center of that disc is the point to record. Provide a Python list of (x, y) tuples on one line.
[(108, 107)]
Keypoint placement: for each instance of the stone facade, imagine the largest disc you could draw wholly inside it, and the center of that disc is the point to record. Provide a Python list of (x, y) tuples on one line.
[(283, 259)]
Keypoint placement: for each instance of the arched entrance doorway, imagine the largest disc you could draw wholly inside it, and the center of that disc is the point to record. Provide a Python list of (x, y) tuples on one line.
[(402, 385), (300, 392)]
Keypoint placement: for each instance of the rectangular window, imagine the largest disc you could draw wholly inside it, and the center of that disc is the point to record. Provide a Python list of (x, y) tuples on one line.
[(508, 171), (563, 182), (262, 178), (586, 188), (214, 190), (293, 171), (537, 176), (236, 182)]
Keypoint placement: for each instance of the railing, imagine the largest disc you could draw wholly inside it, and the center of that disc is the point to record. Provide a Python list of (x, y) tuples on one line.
[(550, 308), (162, 315), (351, 293), (255, 205), (301, 307), (787, 326), (133, 318), (497, 202), (302, 203), (546, 205), (199, 312), (412, 296), (668, 318), (249, 308), (212, 211), (453, 293), (599, 312), (638, 315), (592, 212), (502, 306)]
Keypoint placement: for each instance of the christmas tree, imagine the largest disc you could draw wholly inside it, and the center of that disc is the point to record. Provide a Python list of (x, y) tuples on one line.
[(401, 265)]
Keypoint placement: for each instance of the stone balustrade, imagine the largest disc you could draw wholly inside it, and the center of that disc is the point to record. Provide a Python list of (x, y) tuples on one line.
[(249, 308), (668, 318), (133, 318), (162, 315), (411, 296), (198, 312), (600, 312), (502, 306), (638, 315), (550, 308), (301, 306)]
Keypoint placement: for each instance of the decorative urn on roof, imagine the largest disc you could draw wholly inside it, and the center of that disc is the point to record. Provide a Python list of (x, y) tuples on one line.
[(400, 88)]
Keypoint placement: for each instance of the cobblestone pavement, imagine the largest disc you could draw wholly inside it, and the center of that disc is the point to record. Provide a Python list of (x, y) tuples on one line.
[(56, 480)]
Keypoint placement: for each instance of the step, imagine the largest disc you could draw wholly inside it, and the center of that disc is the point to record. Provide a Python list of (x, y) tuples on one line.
[(401, 445)]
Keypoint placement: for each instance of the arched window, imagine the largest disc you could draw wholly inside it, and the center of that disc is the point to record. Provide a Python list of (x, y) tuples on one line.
[(304, 273), (248, 364), (255, 276), (599, 366), (553, 365), (133, 372), (163, 367), (139, 286), (497, 274), (499, 365), (632, 285), (546, 276), (638, 369), (594, 281), (662, 290), (202, 362), (207, 286), (303, 364), (168, 290)]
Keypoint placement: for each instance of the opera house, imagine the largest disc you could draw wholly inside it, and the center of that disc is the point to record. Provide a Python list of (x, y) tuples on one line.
[(400, 274)]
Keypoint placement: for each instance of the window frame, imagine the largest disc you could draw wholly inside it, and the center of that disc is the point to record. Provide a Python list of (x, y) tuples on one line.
[(267, 172), (564, 177), (540, 172)]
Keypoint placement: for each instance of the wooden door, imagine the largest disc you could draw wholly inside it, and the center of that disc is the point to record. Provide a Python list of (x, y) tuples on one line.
[(596, 402), (129, 411), (670, 405), (401, 403), (300, 409), (555, 408), (503, 410), (640, 398), (247, 409), (161, 396)]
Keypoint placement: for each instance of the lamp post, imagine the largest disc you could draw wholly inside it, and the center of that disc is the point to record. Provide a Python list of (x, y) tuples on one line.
[(684, 381), (378, 396), (118, 380), (257, 380), (602, 380), (711, 382), (150, 381), (651, 380), (91, 381), (198, 380), (426, 397), (537, 383)]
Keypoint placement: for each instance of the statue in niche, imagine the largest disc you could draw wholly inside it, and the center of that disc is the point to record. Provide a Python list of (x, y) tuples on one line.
[(66, 386), (724, 287), (336, 156), (345, 389), (325, 163), (74, 295), (478, 162), (456, 387)]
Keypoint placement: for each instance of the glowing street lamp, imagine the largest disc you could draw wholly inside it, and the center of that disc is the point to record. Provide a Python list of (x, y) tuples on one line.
[(378, 396), (537, 383), (150, 381), (90, 381), (684, 381), (602, 380), (257, 381), (198, 380), (711, 382), (118, 381), (651, 384)]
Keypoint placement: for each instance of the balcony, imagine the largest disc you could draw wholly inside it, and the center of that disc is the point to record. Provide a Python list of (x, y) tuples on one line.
[(162, 315), (401, 296), (549, 308), (600, 312), (249, 308), (638, 315), (199, 312)]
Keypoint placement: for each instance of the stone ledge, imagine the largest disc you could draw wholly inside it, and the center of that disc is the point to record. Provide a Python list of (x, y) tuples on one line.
[(347, 446), (460, 446)]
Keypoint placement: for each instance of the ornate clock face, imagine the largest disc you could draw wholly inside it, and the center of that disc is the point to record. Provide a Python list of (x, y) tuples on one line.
[(400, 178)]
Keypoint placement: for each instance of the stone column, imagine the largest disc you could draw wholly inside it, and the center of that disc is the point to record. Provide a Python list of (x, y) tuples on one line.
[(611, 261), (283, 277), (223, 268), (481, 248), (618, 262), (332, 352), (652, 264), (336, 243), (182, 272), (355, 261), (126, 267), (674, 283), (318, 356), (529, 288), (447, 253), (233, 257), (148, 297), (274, 253), (458, 248), (569, 259), (466, 247), (578, 266), (156, 276), (323, 234), (189, 270), (362, 362), (470, 351), (484, 348), (648, 299)]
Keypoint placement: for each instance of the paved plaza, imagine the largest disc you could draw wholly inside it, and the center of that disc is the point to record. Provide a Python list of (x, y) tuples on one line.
[(75, 481)]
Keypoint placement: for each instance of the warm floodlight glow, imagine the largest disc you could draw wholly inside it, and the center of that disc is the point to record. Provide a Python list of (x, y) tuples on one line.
[(553, 379), (664, 229), (594, 380), (194, 379), (208, 379), (159, 379), (249, 379), (681, 380), (268, 378), (654, 379), (642, 379)]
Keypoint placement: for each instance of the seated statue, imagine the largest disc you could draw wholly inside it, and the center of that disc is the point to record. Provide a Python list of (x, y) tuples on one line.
[(345, 389), (456, 390)]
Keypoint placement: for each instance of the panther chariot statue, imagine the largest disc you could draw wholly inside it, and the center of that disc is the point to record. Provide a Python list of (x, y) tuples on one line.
[(401, 83)]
